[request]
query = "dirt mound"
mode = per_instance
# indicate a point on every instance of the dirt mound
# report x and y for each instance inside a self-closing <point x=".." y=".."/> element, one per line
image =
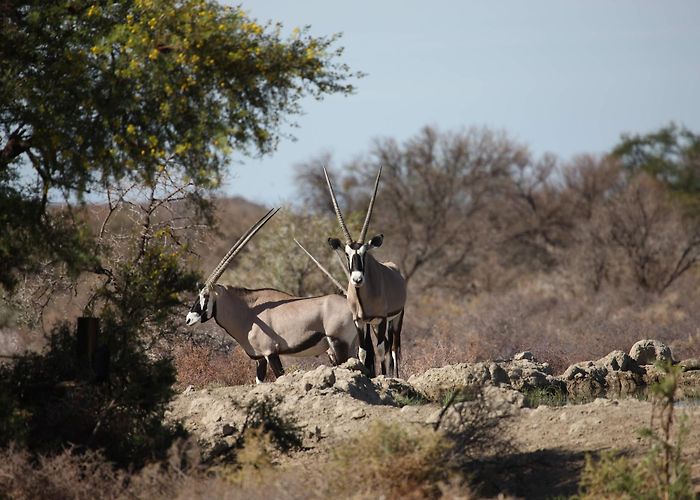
<point x="328" y="403"/>
<point x="331" y="404"/>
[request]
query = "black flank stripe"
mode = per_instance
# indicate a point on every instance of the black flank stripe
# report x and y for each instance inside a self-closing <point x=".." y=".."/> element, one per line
<point x="314" y="339"/>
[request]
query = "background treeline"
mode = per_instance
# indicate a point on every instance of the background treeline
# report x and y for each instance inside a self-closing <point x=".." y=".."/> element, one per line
<point x="505" y="251"/>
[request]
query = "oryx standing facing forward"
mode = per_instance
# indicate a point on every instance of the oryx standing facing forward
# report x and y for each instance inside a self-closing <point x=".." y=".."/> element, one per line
<point x="268" y="323"/>
<point x="376" y="290"/>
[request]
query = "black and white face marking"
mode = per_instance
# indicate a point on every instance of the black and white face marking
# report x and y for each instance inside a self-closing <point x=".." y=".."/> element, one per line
<point x="356" y="253"/>
<point x="202" y="309"/>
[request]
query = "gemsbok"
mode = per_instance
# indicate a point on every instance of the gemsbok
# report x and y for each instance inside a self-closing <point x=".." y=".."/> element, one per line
<point x="376" y="291"/>
<point x="267" y="323"/>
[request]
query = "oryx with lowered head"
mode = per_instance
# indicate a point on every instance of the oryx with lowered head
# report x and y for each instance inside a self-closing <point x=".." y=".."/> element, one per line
<point x="268" y="323"/>
<point x="376" y="290"/>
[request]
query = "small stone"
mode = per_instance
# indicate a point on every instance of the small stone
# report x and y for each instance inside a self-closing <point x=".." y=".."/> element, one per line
<point x="498" y="375"/>
<point x="525" y="355"/>
<point x="354" y="364"/>
<point x="358" y="414"/>
<point x="690" y="364"/>
<point x="228" y="430"/>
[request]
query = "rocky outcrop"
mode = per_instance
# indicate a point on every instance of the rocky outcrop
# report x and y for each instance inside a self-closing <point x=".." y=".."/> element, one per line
<point x="328" y="402"/>
<point x="522" y="373"/>
<point x="648" y="352"/>
<point x="615" y="374"/>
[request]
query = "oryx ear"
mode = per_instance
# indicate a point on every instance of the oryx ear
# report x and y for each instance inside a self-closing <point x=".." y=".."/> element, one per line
<point x="334" y="243"/>
<point x="377" y="241"/>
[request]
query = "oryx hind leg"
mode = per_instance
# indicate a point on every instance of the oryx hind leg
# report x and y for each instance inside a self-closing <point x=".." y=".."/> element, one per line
<point x="261" y="370"/>
<point x="395" y="343"/>
<point x="339" y="349"/>
<point x="275" y="364"/>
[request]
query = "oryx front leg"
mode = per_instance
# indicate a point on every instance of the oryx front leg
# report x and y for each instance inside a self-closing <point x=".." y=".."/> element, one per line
<point x="382" y="336"/>
<point x="366" y="350"/>
<point x="361" y="352"/>
<point x="261" y="370"/>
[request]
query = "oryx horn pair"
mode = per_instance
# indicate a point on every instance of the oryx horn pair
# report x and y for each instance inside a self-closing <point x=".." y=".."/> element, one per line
<point x="338" y="213"/>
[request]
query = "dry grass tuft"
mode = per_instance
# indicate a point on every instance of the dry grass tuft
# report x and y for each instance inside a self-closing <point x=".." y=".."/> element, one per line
<point x="392" y="461"/>
<point x="201" y="366"/>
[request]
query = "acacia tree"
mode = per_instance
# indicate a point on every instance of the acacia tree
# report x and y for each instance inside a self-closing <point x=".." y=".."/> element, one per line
<point x="141" y="103"/>
<point x="96" y="93"/>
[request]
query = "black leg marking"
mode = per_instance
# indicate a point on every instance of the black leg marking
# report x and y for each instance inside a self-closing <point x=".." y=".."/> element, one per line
<point x="381" y="333"/>
<point x="396" y="327"/>
<point x="261" y="370"/>
<point x="276" y="365"/>
<point x="332" y="356"/>
<point x="369" y="348"/>
<point x="341" y="351"/>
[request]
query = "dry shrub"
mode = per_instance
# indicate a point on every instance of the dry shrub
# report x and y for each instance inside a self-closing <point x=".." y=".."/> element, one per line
<point x="393" y="461"/>
<point x="202" y="366"/>
<point x="425" y="353"/>
<point x="664" y="472"/>
<point x="66" y="475"/>
<point x="72" y="475"/>
<point x="558" y="322"/>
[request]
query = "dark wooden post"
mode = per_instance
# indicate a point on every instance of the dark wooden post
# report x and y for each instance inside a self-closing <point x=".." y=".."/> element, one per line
<point x="92" y="351"/>
<point x="86" y="340"/>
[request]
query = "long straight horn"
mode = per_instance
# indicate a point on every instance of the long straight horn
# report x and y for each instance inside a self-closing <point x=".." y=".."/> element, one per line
<point x="222" y="263"/>
<point x="348" y="238"/>
<point x="323" y="269"/>
<point x="238" y="246"/>
<point x="365" y="226"/>
<point x="342" y="264"/>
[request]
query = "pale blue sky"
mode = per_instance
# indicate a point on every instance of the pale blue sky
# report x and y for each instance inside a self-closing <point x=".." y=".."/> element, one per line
<point x="560" y="76"/>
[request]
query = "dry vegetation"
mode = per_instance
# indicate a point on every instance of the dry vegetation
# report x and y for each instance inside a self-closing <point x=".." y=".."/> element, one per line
<point x="503" y="253"/>
<point x="506" y="253"/>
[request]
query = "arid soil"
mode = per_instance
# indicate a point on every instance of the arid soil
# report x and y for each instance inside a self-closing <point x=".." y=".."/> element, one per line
<point x="548" y="444"/>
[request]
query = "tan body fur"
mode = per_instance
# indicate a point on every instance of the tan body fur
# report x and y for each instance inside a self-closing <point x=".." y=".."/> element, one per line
<point x="383" y="294"/>
<point x="270" y="322"/>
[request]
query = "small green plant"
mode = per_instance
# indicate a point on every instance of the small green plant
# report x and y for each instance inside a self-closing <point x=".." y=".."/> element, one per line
<point x="409" y="400"/>
<point x="662" y="473"/>
<point x="548" y="396"/>
<point x="461" y="395"/>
